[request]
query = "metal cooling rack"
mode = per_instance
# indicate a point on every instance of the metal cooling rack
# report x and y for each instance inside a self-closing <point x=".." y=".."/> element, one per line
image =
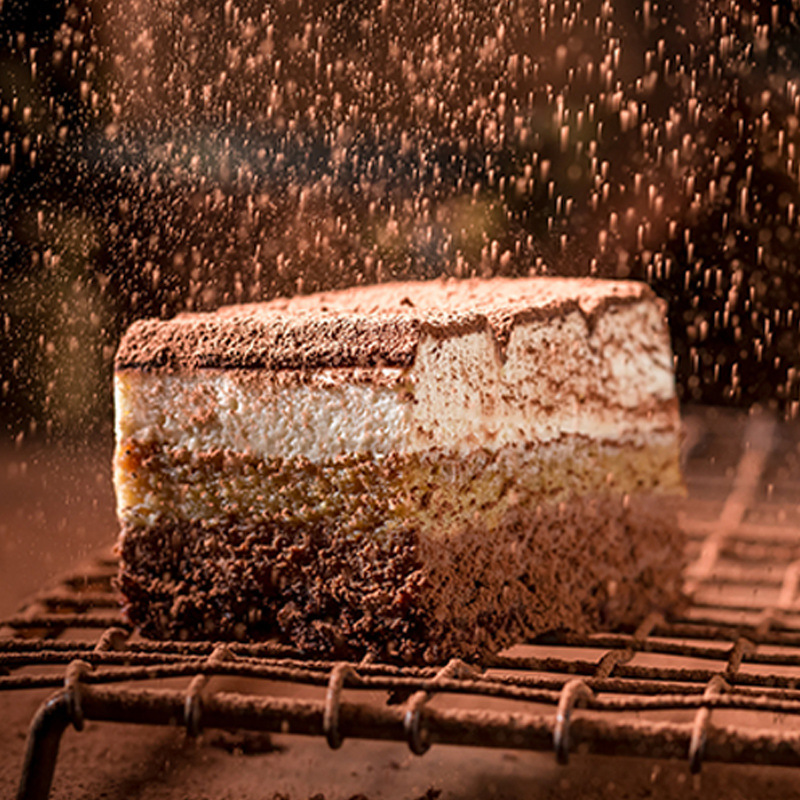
<point x="720" y="683"/>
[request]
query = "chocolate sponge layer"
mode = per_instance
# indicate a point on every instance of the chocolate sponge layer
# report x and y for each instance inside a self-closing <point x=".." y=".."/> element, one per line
<point x="605" y="560"/>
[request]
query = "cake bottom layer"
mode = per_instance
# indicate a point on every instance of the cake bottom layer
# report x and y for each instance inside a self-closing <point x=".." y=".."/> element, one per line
<point x="580" y="564"/>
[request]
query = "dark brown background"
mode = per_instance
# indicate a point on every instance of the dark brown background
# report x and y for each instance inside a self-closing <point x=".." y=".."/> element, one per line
<point x="163" y="156"/>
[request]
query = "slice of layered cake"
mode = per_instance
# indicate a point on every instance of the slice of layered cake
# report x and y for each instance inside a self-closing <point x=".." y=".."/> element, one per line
<point x="410" y="470"/>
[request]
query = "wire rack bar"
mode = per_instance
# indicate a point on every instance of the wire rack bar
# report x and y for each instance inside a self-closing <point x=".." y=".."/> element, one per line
<point x="458" y="727"/>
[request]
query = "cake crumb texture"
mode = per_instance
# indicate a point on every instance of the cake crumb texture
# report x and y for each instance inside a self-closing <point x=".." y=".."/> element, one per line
<point x="410" y="472"/>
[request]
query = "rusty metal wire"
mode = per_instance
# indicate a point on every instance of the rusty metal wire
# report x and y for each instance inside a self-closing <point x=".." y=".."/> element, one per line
<point x="736" y="649"/>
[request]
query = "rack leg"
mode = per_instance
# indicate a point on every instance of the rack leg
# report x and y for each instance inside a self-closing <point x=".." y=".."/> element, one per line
<point x="41" y="750"/>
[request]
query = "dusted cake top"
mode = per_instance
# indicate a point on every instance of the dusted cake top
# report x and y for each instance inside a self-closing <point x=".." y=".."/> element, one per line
<point x="364" y="326"/>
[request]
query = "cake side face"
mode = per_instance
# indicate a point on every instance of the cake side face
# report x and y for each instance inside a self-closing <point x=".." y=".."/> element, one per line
<point x="510" y="399"/>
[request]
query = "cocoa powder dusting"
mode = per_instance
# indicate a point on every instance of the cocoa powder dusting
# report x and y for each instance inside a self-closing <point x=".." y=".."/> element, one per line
<point x="369" y="326"/>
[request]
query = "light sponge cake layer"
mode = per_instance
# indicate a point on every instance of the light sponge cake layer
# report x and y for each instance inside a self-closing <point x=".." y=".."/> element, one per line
<point x="433" y="492"/>
<point x="414" y="422"/>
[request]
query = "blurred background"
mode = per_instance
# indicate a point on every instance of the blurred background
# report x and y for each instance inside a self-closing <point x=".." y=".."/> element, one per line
<point x="164" y="155"/>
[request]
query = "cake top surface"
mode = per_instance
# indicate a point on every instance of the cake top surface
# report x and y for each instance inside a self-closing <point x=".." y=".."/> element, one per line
<point x="368" y="326"/>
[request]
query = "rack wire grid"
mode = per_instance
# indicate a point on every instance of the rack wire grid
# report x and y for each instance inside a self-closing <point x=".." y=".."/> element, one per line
<point x="727" y="670"/>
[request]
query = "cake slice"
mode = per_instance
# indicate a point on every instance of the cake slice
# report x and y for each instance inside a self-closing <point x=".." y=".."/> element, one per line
<point x="413" y="471"/>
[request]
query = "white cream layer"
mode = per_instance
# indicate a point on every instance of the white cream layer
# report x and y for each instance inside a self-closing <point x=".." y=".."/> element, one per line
<point x="558" y="377"/>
